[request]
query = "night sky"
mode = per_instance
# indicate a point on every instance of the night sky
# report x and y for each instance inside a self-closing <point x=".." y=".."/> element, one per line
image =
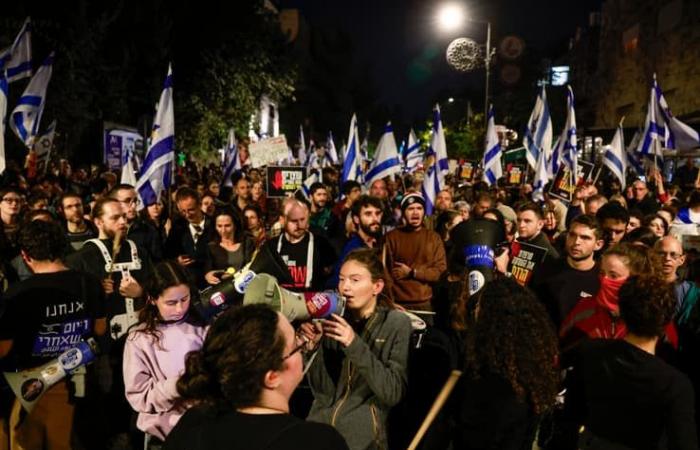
<point x="398" y="38"/>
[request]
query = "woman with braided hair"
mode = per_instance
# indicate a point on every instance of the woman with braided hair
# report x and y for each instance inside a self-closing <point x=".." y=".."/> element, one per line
<point x="510" y="376"/>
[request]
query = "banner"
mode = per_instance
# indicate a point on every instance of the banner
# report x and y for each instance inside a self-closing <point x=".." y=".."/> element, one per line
<point x="525" y="258"/>
<point x="282" y="180"/>
<point x="562" y="187"/>
<point x="118" y="142"/>
<point x="268" y="151"/>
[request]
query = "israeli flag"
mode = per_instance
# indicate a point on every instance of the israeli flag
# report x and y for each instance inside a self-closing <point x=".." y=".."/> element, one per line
<point x="352" y="166"/>
<point x="555" y="160"/>
<point x="386" y="159"/>
<point x="128" y="173"/>
<point x="615" y="158"/>
<point x="156" y="173"/>
<point x="331" y="152"/>
<point x="566" y="149"/>
<point x="541" y="178"/>
<point x="654" y="135"/>
<point x="16" y="60"/>
<point x="364" y="148"/>
<point x="26" y="117"/>
<point x="438" y="147"/>
<point x="3" y="111"/>
<point x="492" y="152"/>
<point x="232" y="160"/>
<point x="538" y="135"/>
<point x="43" y="146"/>
<point x="633" y="160"/>
<point x="413" y="154"/>
<point x="302" y="146"/>
<point x="309" y="181"/>
<point x="431" y="187"/>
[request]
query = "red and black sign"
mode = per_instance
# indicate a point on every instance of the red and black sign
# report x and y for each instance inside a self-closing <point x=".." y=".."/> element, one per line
<point x="282" y="181"/>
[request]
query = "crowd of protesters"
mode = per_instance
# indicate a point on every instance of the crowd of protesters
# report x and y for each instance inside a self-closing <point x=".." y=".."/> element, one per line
<point x="599" y="350"/>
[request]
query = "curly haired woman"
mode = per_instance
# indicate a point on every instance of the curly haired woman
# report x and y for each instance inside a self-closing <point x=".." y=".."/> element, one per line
<point x="510" y="370"/>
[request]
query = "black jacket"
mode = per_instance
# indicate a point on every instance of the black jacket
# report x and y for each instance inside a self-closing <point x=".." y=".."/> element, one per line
<point x="180" y="242"/>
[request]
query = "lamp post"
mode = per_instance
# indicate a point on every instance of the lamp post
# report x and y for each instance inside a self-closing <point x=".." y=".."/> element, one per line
<point x="450" y="18"/>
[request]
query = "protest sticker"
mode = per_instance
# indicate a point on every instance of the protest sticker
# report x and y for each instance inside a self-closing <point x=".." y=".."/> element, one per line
<point x="268" y="151"/>
<point x="282" y="180"/>
<point x="562" y="188"/>
<point x="525" y="258"/>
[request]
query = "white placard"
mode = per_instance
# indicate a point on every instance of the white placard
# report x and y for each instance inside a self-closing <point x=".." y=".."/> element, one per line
<point x="268" y="151"/>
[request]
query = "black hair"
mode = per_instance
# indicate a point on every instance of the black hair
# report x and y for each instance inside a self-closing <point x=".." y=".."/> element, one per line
<point x="613" y="211"/>
<point x="349" y="185"/>
<point x="647" y="305"/>
<point x="363" y="202"/>
<point x="42" y="241"/>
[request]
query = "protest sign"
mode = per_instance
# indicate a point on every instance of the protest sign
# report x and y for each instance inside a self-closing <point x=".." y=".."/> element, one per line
<point x="515" y="175"/>
<point x="268" y="151"/>
<point x="282" y="180"/>
<point x="466" y="172"/>
<point x="525" y="258"/>
<point x="562" y="188"/>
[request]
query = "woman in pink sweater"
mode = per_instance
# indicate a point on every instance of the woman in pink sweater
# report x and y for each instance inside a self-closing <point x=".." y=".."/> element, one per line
<point x="154" y="355"/>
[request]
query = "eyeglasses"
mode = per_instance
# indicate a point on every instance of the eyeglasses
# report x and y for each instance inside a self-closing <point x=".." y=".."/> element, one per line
<point x="129" y="201"/>
<point x="12" y="200"/>
<point x="673" y="255"/>
<point x="300" y="346"/>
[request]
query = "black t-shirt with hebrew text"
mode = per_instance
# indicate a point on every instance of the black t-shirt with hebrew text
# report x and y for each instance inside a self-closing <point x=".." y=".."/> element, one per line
<point x="47" y="314"/>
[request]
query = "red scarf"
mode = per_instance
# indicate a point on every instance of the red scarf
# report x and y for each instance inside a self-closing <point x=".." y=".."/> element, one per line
<point x="607" y="297"/>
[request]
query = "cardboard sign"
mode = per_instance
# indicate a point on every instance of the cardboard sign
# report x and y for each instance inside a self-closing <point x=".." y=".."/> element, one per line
<point x="562" y="188"/>
<point x="523" y="261"/>
<point x="282" y="180"/>
<point x="466" y="172"/>
<point x="268" y="151"/>
<point x="515" y="176"/>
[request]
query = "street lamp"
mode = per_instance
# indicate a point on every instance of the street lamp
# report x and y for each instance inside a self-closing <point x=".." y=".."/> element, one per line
<point x="450" y="17"/>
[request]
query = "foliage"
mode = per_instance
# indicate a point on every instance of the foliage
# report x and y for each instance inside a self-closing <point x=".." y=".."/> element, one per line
<point x="464" y="141"/>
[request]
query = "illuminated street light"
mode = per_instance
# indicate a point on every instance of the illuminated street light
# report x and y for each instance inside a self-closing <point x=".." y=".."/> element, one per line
<point x="450" y="17"/>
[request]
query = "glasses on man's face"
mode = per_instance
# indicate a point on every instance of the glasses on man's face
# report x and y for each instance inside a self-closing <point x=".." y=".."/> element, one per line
<point x="129" y="201"/>
<point x="15" y="200"/>
<point x="673" y="255"/>
<point x="299" y="345"/>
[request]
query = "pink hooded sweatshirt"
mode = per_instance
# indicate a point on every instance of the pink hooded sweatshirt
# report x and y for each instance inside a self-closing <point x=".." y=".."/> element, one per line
<point x="151" y="370"/>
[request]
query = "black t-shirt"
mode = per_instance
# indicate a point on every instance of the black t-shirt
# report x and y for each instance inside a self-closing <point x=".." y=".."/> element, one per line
<point x="202" y="429"/>
<point x="628" y="396"/>
<point x="76" y="240"/>
<point x="48" y="314"/>
<point x="296" y="256"/>
<point x="559" y="287"/>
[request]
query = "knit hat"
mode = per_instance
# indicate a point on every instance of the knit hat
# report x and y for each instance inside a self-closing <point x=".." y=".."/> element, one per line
<point x="410" y="199"/>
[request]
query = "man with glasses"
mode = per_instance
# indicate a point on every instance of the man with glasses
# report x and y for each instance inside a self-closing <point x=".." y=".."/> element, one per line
<point x="671" y="257"/>
<point x="140" y="230"/>
<point x="643" y="200"/>
<point x="11" y="203"/>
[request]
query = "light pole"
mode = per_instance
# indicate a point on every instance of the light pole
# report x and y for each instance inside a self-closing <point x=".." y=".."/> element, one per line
<point x="450" y="18"/>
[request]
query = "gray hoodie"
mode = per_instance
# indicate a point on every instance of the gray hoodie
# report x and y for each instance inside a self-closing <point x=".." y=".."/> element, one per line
<point x="355" y="387"/>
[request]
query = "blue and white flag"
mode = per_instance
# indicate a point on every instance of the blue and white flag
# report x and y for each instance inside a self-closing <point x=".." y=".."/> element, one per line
<point x="386" y="158"/>
<point x="232" y="159"/>
<point x="128" y="173"/>
<point x="633" y="160"/>
<point x="492" y="152"/>
<point x="3" y="111"/>
<point x="438" y="147"/>
<point x="352" y="165"/>
<point x="156" y="173"/>
<point x="663" y="130"/>
<point x="538" y="134"/>
<point x="364" y="147"/>
<point x="331" y="152"/>
<point x="308" y="182"/>
<point x="431" y="187"/>
<point x="615" y="158"/>
<point x="43" y="146"/>
<point x="413" y="155"/>
<point x="302" y="147"/>
<point x="541" y="178"/>
<point x="16" y="60"/>
<point x="566" y="148"/>
<point x="26" y="117"/>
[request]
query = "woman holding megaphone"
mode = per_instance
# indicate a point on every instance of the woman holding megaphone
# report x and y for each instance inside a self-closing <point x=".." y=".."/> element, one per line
<point x="241" y="381"/>
<point x="359" y="369"/>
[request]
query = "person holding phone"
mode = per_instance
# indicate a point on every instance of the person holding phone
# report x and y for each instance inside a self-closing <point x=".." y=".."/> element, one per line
<point x="358" y="371"/>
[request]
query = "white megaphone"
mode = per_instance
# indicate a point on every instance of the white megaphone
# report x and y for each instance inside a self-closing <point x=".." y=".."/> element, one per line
<point x="265" y="289"/>
<point x="29" y="385"/>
